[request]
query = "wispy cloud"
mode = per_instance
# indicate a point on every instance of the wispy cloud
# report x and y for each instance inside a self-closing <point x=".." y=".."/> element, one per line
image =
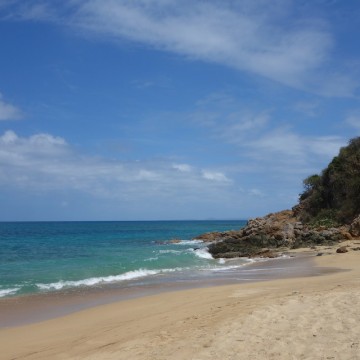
<point x="247" y="35"/>
<point x="284" y="146"/>
<point x="215" y="176"/>
<point x="33" y="10"/>
<point x="247" y="40"/>
<point x="8" y="111"/>
<point x="182" y="167"/>
<point x="262" y="143"/>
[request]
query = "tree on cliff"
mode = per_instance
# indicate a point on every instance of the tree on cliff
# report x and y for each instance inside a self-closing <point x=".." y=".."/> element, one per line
<point x="334" y="195"/>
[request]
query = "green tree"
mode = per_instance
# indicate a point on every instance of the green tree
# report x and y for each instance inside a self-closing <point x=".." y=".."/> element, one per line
<point x="335" y="194"/>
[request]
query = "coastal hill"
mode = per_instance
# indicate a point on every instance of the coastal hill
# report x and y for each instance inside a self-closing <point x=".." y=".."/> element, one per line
<point x="328" y="212"/>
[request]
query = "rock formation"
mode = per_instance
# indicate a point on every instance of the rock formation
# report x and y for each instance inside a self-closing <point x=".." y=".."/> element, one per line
<point x="355" y="227"/>
<point x="265" y="236"/>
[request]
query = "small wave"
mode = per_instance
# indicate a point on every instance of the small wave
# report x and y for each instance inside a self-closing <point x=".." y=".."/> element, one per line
<point x="170" y="251"/>
<point x="283" y="256"/>
<point x="130" y="275"/>
<point x="151" y="259"/>
<point x="203" y="253"/>
<point x="256" y="259"/>
<point x="224" y="268"/>
<point x="189" y="242"/>
<point x="6" y="292"/>
<point x="264" y="259"/>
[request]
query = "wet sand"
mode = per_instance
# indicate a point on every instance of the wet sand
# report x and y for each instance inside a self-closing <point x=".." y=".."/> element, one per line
<point x="305" y="317"/>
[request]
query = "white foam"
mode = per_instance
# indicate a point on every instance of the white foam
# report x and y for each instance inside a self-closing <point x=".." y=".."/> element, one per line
<point x="221" y="261"/>
<point x="170" y="251"/>
<point x="284" y="256"/>
<point x="151" y="259"/>
<point x="6" y="292"/>
<point x="256" y="259"/>
<point x="130" y="275"/>
<point x="224" y="268"/>
<point x="189" y="242"/>
<point x="203" y="254"/>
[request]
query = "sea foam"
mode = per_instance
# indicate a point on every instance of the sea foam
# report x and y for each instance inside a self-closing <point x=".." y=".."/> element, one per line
<point x="188" y="242"/>
<point x="225" y="268"/>
<point x="130" y="275"/>
<point x="203" y="254"/>
<point x="7" y="292"/>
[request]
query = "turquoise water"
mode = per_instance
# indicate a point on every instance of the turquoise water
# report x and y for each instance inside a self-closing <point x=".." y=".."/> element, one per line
<point x="40" y="257"/>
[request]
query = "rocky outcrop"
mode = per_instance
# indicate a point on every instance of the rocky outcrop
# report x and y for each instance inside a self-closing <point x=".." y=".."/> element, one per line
<point x="355" y="227"/>
<point x="266" y="235"/>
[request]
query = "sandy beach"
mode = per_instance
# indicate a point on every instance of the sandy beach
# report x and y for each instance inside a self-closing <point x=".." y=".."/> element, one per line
<point x="314" y="317"/>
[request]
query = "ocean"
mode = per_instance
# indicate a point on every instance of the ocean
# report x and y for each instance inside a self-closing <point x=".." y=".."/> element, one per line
<point x="43" y="257"/>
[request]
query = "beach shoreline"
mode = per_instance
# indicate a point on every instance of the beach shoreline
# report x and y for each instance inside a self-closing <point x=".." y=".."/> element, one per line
<point x="259" y="319"/>
<point x="33" y="308"/>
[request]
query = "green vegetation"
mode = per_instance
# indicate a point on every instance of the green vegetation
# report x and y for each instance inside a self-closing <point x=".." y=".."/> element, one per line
<point x="333" y="198"/>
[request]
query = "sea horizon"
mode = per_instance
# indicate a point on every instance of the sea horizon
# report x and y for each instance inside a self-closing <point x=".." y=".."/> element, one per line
<point x="145" y="220"/>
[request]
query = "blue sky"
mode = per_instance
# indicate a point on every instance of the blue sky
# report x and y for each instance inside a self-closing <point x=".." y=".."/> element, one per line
<point x="163" y="109"/>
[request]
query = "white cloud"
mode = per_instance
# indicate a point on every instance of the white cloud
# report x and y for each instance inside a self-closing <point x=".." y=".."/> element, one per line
<point x="246" y="35"/>
<point x="289" y="150"/>
<point x="277" y="142"/>
<point x="215" y="176"/>
<point x="326" y="146"/>
<point x="182" y="167"/>
<point x="46" y="140"/>
<point x="34" y="10"/>
<point x="44" y="162"/>
<point x="9" y="137"/>
<point x="8" y="111"/>
<point x="256" y="192"/>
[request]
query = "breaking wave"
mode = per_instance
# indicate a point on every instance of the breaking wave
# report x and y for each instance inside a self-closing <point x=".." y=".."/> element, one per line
<point x="7" y="292"/>
<point x="130" y="275"/>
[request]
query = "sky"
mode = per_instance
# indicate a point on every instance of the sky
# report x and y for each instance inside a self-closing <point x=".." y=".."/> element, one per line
<point x="165" y="109"/>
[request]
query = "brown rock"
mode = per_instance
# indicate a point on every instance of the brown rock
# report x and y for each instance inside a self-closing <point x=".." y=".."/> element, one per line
<point x="355" y="227"/>
<point x="266" y="253"/>
<point x="346" y="235"/>
<point x="213" y="236"/>
<point x="274" y="231"/>
<point x="174" y="241"/>
<point x="342" y="249"/>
